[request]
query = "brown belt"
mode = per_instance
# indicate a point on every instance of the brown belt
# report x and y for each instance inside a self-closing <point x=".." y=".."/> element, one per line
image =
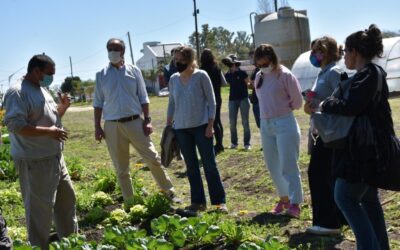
<point x="126" y="119"/>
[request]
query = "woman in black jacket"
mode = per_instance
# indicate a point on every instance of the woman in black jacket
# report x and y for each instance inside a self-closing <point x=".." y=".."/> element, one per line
<point x="209" y="64"/>
<point x="357" y="200"/>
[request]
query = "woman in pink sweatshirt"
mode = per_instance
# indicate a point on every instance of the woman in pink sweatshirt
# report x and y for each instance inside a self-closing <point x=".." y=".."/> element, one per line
<point x="279" y="94"/>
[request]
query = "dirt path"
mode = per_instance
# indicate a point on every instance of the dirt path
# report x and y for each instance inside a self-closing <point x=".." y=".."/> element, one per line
<point x="79" y="109"/>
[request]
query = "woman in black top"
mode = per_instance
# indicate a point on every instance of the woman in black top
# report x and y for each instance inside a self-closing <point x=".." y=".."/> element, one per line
<point x="209" y="64"/>
<point x="357" y="200"/>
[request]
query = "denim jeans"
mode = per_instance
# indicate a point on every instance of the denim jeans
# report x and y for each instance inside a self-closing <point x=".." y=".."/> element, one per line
<point x="244" y="106"/>
<point x="360" y="206"/>
<point x="281" y="141"/>
<point x="188" y="140"/>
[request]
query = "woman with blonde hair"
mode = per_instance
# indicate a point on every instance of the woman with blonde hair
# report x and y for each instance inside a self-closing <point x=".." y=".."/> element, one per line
<point x="191" y="111"/>
<point x="279" y="94"/>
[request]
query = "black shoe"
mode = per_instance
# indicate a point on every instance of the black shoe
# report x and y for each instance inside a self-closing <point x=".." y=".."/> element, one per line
<point x="218" y="149"/>
<point x="196" y="207"/>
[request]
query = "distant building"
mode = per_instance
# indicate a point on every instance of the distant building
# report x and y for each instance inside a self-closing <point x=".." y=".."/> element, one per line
<point x="154" y="53"/>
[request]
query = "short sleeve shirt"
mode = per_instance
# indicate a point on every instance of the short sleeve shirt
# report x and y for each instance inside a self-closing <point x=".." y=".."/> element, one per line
<point x="238" y="86"/>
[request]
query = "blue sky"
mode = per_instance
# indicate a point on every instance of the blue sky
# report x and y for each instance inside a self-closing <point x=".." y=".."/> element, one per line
<point x="80" y="28"/>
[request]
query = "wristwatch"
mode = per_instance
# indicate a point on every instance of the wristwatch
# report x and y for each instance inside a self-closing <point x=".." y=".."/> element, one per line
<point x="147" y="119"/>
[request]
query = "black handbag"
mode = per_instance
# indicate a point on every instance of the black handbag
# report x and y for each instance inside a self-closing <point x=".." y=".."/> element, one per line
<point x="388" y="175"/>
<point x="384" y="172"/>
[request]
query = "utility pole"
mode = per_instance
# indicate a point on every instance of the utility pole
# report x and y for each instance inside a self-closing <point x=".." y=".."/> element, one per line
<point x="196" y="11"/>
<point x="10" y="76"/>
<point x="252" y="28"/>
<point x="276" y="5"/>
<point x="165" y="58"/>
<point x="70" y="63"/>
<point x="130" y="46"/>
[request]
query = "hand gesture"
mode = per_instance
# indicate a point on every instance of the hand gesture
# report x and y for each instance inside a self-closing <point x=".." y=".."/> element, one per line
<point x="57" y="133"/>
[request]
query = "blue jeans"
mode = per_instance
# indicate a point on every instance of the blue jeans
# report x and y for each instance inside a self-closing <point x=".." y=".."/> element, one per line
<point x="360" y="206"/>
<point x="244" y="106"/>
<point x="280" y="138"/>
<point x="188" y="139"/>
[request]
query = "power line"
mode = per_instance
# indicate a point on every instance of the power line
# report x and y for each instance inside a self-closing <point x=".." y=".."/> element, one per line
<point x="223" y="19"/>
<point x="162" y="27"/>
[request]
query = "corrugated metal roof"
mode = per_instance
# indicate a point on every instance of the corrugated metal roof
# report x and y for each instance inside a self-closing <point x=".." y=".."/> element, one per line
<point x="159" y="49"/>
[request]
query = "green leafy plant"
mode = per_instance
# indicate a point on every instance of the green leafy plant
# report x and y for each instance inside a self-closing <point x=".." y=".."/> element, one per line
<point x="7" y="169"/>
<point x="118" y="217"/>
<point x="106" y="183"/>
<point x="137" y="213"/>
<point x="157" y="204"/>
<point x="101" y="199"/>
<point x="95" y="216"/>
<point x="10" y="196"/>
<point x="75" y="167"/>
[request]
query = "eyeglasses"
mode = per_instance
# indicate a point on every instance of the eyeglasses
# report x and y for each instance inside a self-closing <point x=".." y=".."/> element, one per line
<point x="262" y="66"/>
<point x="118" y="49"/>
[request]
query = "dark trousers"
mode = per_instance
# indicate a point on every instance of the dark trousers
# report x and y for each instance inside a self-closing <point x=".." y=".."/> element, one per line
<point x="256" y="112"/>
<point x="325" y="212"/>
<point x="188" y="140"/>
<point x="218" y="129"/>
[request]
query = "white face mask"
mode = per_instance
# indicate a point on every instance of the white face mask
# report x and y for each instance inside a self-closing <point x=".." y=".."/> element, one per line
<point x="114" y="56"/>
<point x="266" y="70"/>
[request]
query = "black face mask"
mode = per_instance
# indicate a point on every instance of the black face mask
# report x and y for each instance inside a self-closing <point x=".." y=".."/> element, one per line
<point x="181" y="66"/>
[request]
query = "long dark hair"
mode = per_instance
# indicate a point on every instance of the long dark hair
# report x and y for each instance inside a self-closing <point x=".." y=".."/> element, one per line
<point x="207" y="59"/>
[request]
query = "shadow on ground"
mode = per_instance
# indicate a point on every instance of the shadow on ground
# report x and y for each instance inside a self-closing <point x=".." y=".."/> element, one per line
<point x="269" y="218"/>
<point x="314" y="242"/>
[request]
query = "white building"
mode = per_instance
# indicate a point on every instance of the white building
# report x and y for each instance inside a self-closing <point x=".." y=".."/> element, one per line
<point x="154" y="53"/>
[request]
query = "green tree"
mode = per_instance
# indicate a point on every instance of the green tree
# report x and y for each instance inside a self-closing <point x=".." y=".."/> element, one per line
<point x="222" y="41"/>
<point x="242" y="44"/>
<point x="71" y="85"/>
<point x="389" y="33"/>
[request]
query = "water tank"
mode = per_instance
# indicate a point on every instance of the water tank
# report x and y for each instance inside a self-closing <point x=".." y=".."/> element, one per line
<point x="287" y="30"/>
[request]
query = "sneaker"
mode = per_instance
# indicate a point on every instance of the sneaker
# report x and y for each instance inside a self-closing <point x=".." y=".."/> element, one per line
<point x="280" y="208"/>
<point x="221" y="208"/>
<point x="196" y="207"/>
<point x="247" y="147"/>
<point x="317" y="230"/>
<point x="233" y="146"/>
<point x="293" y="211"/>
<point x="172" y="197"/>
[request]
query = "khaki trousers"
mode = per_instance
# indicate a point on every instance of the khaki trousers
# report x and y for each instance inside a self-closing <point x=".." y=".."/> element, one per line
<point x="48" y="194"/>
<point x="118" y="137"/>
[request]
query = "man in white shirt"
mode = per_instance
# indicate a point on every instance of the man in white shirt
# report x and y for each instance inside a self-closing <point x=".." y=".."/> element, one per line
<point x="121" y="97"/>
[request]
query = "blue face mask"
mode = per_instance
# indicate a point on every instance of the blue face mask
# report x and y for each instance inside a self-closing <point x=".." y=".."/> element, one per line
<point x="316" y="60"/>
<point x="46" y="81"/>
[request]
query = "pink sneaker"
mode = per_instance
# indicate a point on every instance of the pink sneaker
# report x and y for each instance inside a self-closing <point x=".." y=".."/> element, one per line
<point x="280" y="208"/>
<point x="293" y="211"/>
